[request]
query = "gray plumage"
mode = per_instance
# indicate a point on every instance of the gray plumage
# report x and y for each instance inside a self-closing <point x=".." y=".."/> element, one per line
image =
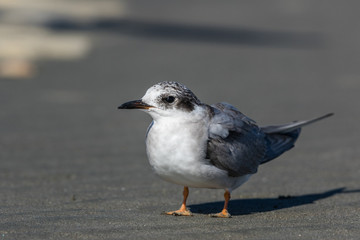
<point x="247" y="146"/>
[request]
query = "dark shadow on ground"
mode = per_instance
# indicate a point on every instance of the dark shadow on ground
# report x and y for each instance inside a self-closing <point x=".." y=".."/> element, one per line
<point x="256" y="205"/>
<point x="195" y="33"/>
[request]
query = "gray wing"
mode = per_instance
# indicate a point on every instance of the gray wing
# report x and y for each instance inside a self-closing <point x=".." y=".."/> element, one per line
<point x="236" y="144"/>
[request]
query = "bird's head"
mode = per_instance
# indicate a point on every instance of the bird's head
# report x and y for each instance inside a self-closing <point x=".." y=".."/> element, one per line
<point x="164" y="99"/>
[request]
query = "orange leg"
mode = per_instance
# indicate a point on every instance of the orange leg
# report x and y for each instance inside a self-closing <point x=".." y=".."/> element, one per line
<point x="224" y="213"/>
<point x="183" y="211"/>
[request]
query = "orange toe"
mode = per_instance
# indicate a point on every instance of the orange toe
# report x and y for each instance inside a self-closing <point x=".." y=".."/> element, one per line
<point x="180" y="213"/>
<point x="223" y="214"/>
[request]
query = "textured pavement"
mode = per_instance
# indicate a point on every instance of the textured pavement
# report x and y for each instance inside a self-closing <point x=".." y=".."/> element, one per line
<point x="74" y="167"/>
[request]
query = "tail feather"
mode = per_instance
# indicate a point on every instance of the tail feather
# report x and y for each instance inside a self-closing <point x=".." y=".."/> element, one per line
<point x="291" y="126"/>
<point x="281" y="138"/>
<point x="278" y="143"/>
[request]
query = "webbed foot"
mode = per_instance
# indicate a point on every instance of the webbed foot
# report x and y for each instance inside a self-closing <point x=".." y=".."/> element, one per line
<point x="223" y="214"/>
<point x="179" y="212"/>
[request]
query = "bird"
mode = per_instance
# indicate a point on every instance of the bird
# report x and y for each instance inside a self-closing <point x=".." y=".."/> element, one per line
<point x="197" y="145"/>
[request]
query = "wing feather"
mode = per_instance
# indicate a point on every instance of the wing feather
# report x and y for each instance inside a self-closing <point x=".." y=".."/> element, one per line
<point x="236" y="144"/>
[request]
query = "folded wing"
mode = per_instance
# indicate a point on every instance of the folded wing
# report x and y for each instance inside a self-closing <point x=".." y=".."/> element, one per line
<point x="236" y="144"/>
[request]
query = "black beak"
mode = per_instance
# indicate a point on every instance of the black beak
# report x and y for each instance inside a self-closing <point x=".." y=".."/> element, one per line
<point x="137" y="104"/>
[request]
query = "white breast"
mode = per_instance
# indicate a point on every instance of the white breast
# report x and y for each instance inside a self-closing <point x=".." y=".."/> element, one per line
<point x="177" y="149"/>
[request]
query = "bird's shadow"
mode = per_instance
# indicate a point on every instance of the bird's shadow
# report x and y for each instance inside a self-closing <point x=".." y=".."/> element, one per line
<point x="257" y="205"/>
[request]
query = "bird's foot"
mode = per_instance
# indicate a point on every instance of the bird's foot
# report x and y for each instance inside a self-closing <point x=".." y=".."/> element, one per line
<point x="179" y="212"/>
<point x="223" y="214"/>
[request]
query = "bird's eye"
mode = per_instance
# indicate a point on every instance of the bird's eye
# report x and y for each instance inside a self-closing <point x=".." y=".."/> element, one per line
<point x="169" y="99"/>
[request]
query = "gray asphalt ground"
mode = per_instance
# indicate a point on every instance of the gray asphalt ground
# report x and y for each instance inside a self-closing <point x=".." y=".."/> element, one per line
<point x="74" y="167"/>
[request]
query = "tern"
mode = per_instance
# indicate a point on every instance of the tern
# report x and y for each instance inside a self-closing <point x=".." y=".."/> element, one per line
<point x="197" y="145"/>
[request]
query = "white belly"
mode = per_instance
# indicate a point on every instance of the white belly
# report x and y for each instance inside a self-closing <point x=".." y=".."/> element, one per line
<point x="177" y="154"/>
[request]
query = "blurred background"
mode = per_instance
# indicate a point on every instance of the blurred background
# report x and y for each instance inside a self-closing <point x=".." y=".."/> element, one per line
<point x="65" y="66"/>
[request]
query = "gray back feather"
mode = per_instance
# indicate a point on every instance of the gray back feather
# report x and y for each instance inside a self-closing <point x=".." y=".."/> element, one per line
<point x="236" y="144"/>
